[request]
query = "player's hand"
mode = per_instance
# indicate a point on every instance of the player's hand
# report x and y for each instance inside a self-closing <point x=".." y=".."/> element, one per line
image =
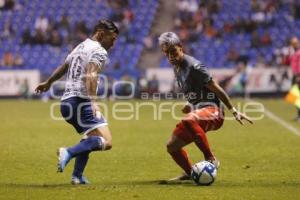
<point x="42" y="87"/>
<point x="240" y="117"/>
<point x="186" y="109"/>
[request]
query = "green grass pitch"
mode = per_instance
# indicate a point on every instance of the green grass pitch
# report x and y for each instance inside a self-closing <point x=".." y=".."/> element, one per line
<point x="261" y="161"/>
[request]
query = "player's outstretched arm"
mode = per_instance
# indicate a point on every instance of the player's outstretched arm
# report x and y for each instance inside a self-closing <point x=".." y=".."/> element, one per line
<point x="57" y="74"/>
<point x="221" y="94"/>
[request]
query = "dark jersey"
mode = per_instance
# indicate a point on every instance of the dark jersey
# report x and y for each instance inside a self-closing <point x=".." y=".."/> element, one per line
<point x="192" y="76"/>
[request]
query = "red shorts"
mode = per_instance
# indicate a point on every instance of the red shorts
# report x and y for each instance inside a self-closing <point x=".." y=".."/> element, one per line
<point x="209" y="118"/>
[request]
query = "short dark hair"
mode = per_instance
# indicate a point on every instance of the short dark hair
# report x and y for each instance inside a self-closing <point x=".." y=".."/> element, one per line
<point x="106" y="25"/>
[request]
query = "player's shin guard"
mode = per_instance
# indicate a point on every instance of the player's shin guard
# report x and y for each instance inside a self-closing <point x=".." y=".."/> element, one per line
<point x="93" y="143"/>
<point x="181" y="158"/>
<point x="200" y="137"/>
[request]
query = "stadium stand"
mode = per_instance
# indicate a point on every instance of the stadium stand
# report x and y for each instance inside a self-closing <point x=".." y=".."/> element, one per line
<point x="218" y="32"/>
<point x="42" y="33"/>
<point x="221" y="33"/>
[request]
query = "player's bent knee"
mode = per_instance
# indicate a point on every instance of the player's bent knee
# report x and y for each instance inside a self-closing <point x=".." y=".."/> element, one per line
<point x="170" y="148"/>
<point x="108" y="146"/>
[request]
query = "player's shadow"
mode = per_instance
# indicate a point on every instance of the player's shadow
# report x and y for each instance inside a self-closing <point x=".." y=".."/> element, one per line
<point x="152" y="183"/>
<point x="94" y="185"/>
<point x="149" y="182"/>
<point x="21" y="185"/>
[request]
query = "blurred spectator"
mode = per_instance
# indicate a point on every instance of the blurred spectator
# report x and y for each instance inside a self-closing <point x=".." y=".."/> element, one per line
<point x="150" y="43"/>
<point x="153" y="85"/>
<point x="232" y="55"/>
<point x="40" y="37"/>
<point x="128" y="16"/>
<point x="293" y="59"/>
<point x="237" y="57"/>
<point x="2" y="4"/>
<point x="41" y="24"/>
<point x="266" y="39"/>
<point x="116" y="66"/>
<point x="64" y="23"/>
<point x="9" y="60"/>
<point x="27" y="37"/>
<point x="24" y="89"/>
<point x="255" y="5"/>
<point x="228" y="27"/>
<point x="8" y="31"/>
<point x="126" y="88"/>
<point x="81" y="32"/>
<point x="7" y="4"/>
<point x="64" y="27"/>
<point x="209" y="30"/>
<point x="55" y="39"/>
<point x="214" y="6"/>
<point x="261" y="63"/>
<point x="259" y="17"/>
<point x="142" y="84"/>
<point x="242" y="25"/>
<point x="18" y="60"/>
<point x="295" y="9"/>
<point x="255" y="40"/>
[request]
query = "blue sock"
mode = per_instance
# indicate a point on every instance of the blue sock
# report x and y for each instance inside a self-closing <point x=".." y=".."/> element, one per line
<point x="80" y="163"/>
<point x="92" y="143"/>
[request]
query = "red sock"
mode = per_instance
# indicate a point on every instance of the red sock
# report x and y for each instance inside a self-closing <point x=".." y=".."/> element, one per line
<point x="200" y="138"/>
<point x="181" y="158"/>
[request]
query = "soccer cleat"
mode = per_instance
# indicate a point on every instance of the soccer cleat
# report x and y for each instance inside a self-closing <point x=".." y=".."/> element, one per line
<point x="215" y="162"/>
<point x="78" y="181"/>
<point x="63" y="158"/>
<point x="176" y="180"/>
<point x="183" y="177"/>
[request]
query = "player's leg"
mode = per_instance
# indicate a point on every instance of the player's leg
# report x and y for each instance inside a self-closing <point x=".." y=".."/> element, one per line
<point x="191" y="122"/>
<point x="79" y="166"/>
<point x="178" y="140"/>
<point x="179" y="155"/>
<point x="98" y="139"/>
<point x="104" y="133"/>
<point x="97" y="135"/>
<point x="210" y="118"/>
<point x="92" y="143"/>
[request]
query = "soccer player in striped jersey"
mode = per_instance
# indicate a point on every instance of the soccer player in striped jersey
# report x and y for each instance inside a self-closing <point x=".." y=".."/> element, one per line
<point x="78" y="104"/>
<point x="203" y="110"/>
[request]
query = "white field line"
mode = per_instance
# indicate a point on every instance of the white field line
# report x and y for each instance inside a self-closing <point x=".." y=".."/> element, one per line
<point x="282" y="122"/>
<point x="279" y="120"/>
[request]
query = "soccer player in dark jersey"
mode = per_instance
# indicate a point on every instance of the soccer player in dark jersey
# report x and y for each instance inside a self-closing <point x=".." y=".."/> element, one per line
<point x="78" y="103"/>
<point x="203" y="110"/>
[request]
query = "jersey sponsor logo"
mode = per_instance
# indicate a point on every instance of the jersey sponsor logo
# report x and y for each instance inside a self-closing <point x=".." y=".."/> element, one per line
<point x="198" y="66"/>
<point x="99" y="57"/>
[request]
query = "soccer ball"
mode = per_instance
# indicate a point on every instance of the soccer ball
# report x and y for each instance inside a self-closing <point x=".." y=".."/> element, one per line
<point x="203" y="173"/>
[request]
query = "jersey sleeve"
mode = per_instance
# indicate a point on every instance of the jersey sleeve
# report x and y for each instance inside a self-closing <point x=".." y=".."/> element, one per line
<point x="68" y="59"/>
<point x="200" y="74"/>
<point x="99" y="57"/>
